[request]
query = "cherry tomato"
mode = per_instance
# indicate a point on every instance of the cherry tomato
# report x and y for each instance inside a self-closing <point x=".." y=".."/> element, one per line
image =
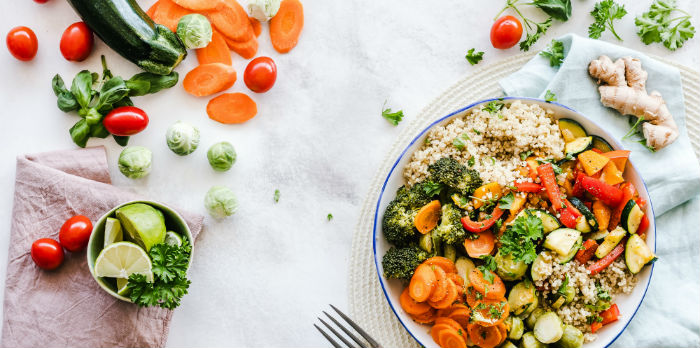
<point x="77" y="42"/>
<point x="22" y="43"/>
<point x="47" y="253"/>
<point x="75" y="233"/>
<point x="125" y="121"/>
<point x="506" y="32"/>
<point x="260" y="74"/>
<point x="41" y="1"/>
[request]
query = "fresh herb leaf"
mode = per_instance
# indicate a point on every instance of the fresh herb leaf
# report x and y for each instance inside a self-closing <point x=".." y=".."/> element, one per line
<point x="554" y="52"/>
<point x="112" y="91"/>
<point x="557" y="169"/>
<point x="329" y="217"/>
<point x="549" y="96"/>
<point x="476" y="131"/>
<point x="432" y="188"/>
<point x="519" y="239"/>
<point x="506" y="202"/>
<point x="604" y="13"/>
<point x="80" y="132"/>
<point x="525" y="155"/>
<point x="603" y="294"/>
<point x="470" y="161"/>
<point x="460" y="142"/>
<point x="562" y="287"/>
<point x="474" y="57"/>
<point x="531" y="38"/>
<point x="489" y="262"/>
<point x="656" y="25"/>
<point x="494" y="107"/>
<point x="276" y="196"/>
<point x="557" y="9"/>
<point x="148" y="83"/>
<point x="81" y="88"/>
<point x="170" y="283"/>
<point x="393" y="117"/>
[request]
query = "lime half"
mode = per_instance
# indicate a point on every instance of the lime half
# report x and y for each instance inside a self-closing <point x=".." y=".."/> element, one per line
<point x="173" y="238"/>
<point x="122" y="259"/>
<point x="113" y="231"/>
<point x="121" y="286"/>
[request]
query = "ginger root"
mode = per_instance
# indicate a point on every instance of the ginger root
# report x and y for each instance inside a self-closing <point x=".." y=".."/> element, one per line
<point x="624" y="89"/>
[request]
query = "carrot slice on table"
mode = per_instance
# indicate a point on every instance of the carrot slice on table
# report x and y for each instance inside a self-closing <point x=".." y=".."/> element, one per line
<point x="482" y="245"/>
<point x="461" y="316"/>
<point x="422" y="283"/>
<point x="446" y="264"/>
<point x="257" y="27"/>
<point x="245" y="49"/>
<point x="197" y="5"/>
<point x="492" y="290"/>
<point x="425" y="318"/>
<point x="410" y="305"/>
<point x="452" y="339"/>
<point x="152" y="10"/>
<point x="427" y="217"/>
<point x="286" y="25"/>
<point x="441" y="285"/>
<point x="231" y="20"/>
<point x="230" y="108"/>
<point x="208" y="79"/>
<point x="484" y="336"/>
<point x="169" y="13"/>
<point x="488" y="312"/>
<point x="215" y="52"/>
<point x="449" y="298"/>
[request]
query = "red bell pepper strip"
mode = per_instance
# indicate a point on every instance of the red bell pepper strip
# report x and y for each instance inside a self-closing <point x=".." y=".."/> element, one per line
<point x="481" y="226"/>
<point x="578" y="189"/>
<point x="571" y="207"/>
<point x="587" y="251"/>
<point x="595" y="326"/>
<point x="607" y="259"/>
<point x="527" y="187"/>
<point x="608" y="194"/>
<point x="549" y="181"/>
<point x="641" y="202"/>
<point x="567" y="218"/>
<point x="610" y="315"/>
<point x="643" y="225"/>
<point x="628" y="192"/>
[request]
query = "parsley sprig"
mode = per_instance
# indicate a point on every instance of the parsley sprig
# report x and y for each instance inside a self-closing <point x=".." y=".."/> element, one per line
<point x="520" y="238"/>
<point x="393" y="117"/>
<point x="488" y="267"/>
<point x="604" y="13"/>
<point x="656" y="25"/>
<point x="170" y="283"/>
<point x="554" y="52"/>
<point x="557" y="9"/>
<point x="474" y="57"/>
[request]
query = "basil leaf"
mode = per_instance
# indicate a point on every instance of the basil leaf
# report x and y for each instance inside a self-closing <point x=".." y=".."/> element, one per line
<point x="156" y="82"/>
<point x="93" y="117"/>
<point x="112" y="91"/>
<point x="98" y="130"/>
<point x="121" y="140"/>
<point x="58" y="86"/>
<point x="66" y="102"/>
<point x="126" y="101"/>
<point x="82" y="88"/>
<point x="558" y="9"/>
<point x="80" y="133"/>
<point x="138" y="87"/>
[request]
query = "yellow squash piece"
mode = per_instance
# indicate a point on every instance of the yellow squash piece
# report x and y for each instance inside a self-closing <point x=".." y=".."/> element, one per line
<point x="611" y="174"/>
<point x="482" y="194"/>
<point x="592" y="162"/>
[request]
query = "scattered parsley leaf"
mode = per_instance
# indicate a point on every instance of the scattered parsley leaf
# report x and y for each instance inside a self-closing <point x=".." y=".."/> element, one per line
<point x="603" y="294"/>
<point x="494" y="107"/>
<point x="549" y="96"/>
<point x="393" y="117"/>
<point x="488" y="267"/>
<point x="557" y="169"/>
<point x="636" y="130"/>
<point x="432" y="188"/>
<point x="507" y="201"/>
<point x="562" y="287"/>
<point x="470" y="161"/>
<point x="525" y="155"/>
<point x="531" y="38"/>
<point x="474" y="57"/>
<point x="329" y="217"/>
<point x="276" y="196"/>
<point x="554" y="52"/>
<point x="520" y="238"/>
<point x="656" y="25"/>
<point x="476" y="131"/>
<point x="460" y="142"/>
<point x="604" y="13"/>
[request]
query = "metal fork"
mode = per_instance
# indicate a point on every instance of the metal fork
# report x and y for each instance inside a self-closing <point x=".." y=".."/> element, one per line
<point x="369" y="340"/>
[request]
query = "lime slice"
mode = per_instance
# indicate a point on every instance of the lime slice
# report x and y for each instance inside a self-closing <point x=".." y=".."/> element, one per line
<point x="173" y="238"/>
<point x="113" y="231"/>
<point x="121" y="287"/>
<point x="143" y="224"/>
<point x="122" y="259"/>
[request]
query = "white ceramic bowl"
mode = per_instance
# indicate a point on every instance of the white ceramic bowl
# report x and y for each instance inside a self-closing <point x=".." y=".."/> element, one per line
<point x="628" y="304"/>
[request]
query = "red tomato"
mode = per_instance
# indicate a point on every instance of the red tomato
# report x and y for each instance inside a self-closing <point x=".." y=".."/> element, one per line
<point x="506" y="32"/>
<point x="22" y="43"/>
<point x="47" y="253"/>
<point x="41" y="1"/>
<point x="75" y="233"/>
<point x="125" y="121"/>
<point x="76" y="42"/>
<point x="260" y="74"/>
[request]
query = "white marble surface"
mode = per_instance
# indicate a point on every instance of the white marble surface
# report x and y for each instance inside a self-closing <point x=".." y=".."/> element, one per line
<point x="262" y="277"/>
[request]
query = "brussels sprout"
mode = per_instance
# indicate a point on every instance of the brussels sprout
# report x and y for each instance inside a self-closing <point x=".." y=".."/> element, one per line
<point x="508" y="268"/>
<point x="135" y="162"/>
<point x="221" y="156"/>
<point x="572" y="338"/>
<point x="221" y="202"/>
<point x="182" y="138"/>
<point x="263" y="10"/>
<point x="194" y="30"/>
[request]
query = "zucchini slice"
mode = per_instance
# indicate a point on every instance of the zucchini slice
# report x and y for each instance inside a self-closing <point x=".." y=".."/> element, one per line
<point x="632" y="216"/>
<point x="548" y="328"/>
<point x="598" y="235"/>
<point x="549" y="222"/>
<point x="610" y="242"/>
<point x="464" y="266"/>
<point x="426" y="242"/>
<point x="571" y="129"/>
<point x="637" y="254"/>
<point x="570" y="256"/>
<point x="582" y="225"/>
<point x="562" y="240"/>
<point x="590" y="218"/>
<point x="600" y="144"/>
<point x="578" y="145"/>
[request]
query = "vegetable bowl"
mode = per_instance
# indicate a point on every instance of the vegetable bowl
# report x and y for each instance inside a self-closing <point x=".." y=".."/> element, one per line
<point x="577" y="230"/>
<point x="121" y="250"/>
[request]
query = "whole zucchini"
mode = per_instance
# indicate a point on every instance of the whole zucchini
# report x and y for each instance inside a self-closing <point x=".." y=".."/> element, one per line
<point x="124" y="27"/>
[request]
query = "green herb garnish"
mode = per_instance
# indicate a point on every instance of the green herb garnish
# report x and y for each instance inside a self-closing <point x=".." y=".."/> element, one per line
<point x="170" y="283"/>
<point x="474" y="57"/>
<point x="393" y="117"/>
<point x="604" y="13"/>
<point x="656" y="25"/>
<point x="554" y="52"/>
<point x="519" y="239"/>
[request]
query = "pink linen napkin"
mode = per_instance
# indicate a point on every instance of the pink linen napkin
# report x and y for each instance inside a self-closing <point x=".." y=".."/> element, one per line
<point x="66" y="307"/>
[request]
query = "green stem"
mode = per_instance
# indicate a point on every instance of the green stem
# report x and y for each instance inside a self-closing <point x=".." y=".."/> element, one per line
<point x="612" y="29"/>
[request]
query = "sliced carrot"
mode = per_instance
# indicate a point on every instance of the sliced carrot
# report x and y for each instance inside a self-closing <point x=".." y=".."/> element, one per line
<point x="197" y="5"/>
<point x="425" y="318"/>
<point x="490" y="312"/>
<point x="441" y="285"/>
<point x="482" y="245"/>
<point x="152" y="10"/>
<point x="503" y="330"/>
<point x="257" y="27"/>
<point x="410" y="305"/>
<point x="461" y="316"/>
<point x="446" y="264"/>
<point x="437" y="328"/>
<point x="427" y="217"/>
<point x="286" y="25"/>
<point x="231" y="20"/>
<point x="447" y="321"/>
<point x="491" y="290"/>
<point x="246" y="49"/>
<point x="422" y="283"/>
<point x="458" y="281"/>
<point x="472" y="296"/>
<point x="208" y="79"/>
<point x="445" y="312"/>
<point x="449" y="298"/>
<point x="230" y="108"/>
<point x="452" y="339"/>
<point x="215" y="52"/>
<point x="484" y="337"/>
<point x="169" y="13"/>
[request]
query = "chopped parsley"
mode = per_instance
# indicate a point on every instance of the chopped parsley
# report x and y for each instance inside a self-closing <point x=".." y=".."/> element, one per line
<point x="494" y="107"/>
<point x="507" y="201"/>
<point x="562" y="287"/>
<point x="393" y="117"/>
<point x="476" y="131"/>
<point x="432" y="188"/>
<point x="520" y="238"/>
<point x="329" y="217"/>
<point x="488" y="267"/>
<point x="554" y="52"/>
<point x="525" y="155"/>
<point x="276" y="196"/>
<point x="549" y="96"/>
<point x="603" y="294"/>
<point x="460" y="142"/>
<point x="474" y="57"/>
<point x="470" y="161"/>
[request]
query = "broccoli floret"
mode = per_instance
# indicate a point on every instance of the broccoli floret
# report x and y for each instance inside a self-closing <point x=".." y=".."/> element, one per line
<point x="397" y="224"/>
<point x="455" y="176"/>
<point x="399" y="263"/>
<point x="414" y="197"/>
<point x="450" y="229"/>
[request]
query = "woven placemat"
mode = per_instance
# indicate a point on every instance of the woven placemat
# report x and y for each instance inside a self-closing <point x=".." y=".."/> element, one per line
<point x="368" y="305"/>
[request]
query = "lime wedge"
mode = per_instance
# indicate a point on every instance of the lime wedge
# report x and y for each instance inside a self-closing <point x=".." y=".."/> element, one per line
<point x="173" y="238"/>
<point x="113" y="231"/>
<point x="121" y="287"/>
<point x="122" y="259"/>
<point x="143" y="224"/>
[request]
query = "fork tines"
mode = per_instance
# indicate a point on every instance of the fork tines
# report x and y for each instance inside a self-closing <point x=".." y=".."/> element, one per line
<point x="368" y="343"/>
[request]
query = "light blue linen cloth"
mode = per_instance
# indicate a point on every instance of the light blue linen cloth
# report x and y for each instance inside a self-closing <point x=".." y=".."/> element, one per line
<point x="670" y="313"/>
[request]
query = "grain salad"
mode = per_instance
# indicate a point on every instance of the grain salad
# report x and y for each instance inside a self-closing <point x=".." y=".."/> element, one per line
<point x="515" y="227"/>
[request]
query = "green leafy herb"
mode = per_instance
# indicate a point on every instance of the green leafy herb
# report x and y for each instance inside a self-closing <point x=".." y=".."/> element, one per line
<point x="554" y="52"/>
<point x="532" y="37"/>
<point x="562" y="287"/>
<point x="604" y="13"/>
<point x="603" y="294"/>
<point x="494" y="107"/>
<point x="276" y="196"/>
<point x="470" y="161"/>
<point x="393" y="117"/>
<point x="329" y="217"/>
<point x="656" y="25"/>
<point x="549" y="96"/>
<point x="636" y="133"/>
<point x="170" y="283"/>
<point x="520" y="238"/>
<point x="525" y="155"/>
<point x="476" y="131"/>
<point x="488" y="267"/>
<point x="460" y="142"/>
<point x="557" y="169"/>
<point x="594" y="318"/>
<point x="80" y="132"/>
<point x="432" y="188"/>
<point x="474" y="57"/>
<point x="506" y="202"/>
<point x="557" y="9"/>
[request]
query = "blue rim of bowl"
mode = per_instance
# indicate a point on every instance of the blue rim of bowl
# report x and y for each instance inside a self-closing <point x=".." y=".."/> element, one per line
<point x="440" y="120"/>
